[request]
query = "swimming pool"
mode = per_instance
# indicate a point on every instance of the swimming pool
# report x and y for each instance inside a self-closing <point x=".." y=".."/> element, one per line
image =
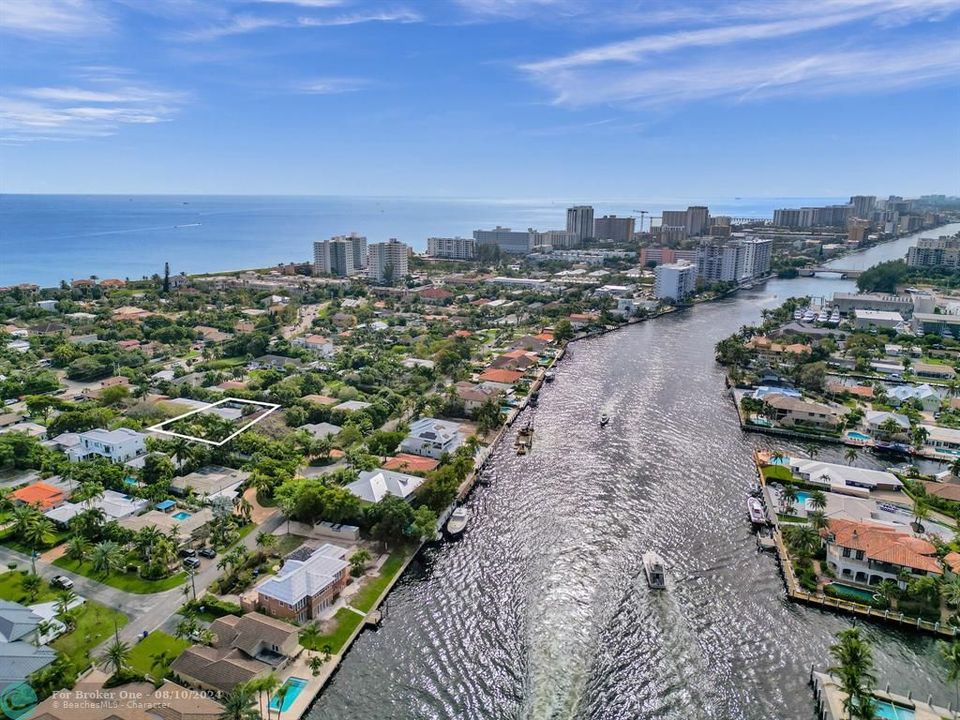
<point x="182" y="515"/>
<point x="293" y="686"/>
<point x="888" y="711"/>
<point x="848" y="592"/>
<point x="854" y="435"/>
<point x="779" y="461"/>
<point x="802" y="497"/>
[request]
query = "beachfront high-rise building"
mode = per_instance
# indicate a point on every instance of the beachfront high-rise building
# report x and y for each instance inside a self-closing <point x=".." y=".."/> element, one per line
<point x="673" y="226"/>
<point x="455" y="248"/>
<point x="863" y="206"/>
<point x="509" y="241"/>
<point x="941" y="252"/>
<point x="358" y="244"/>
<point x="787" y="217"/>
<point x="697" y="220"/>
<point x="613" y="228"/>
<point x="809" y="217"/>
<point x="580" y="221"/>
<point x="333" y="257"/>
<point x="388" y="261"/>
<point x="675" y="281"/>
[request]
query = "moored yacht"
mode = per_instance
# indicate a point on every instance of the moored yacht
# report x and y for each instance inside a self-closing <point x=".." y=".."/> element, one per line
<point x="809" y="315"/>
<point x="823" y="316"/>
<point x="798" y="314"/>
<point x="758" y="515"/>
<point x="458" y="521"/>
<point x="655" y="570"/>
<point x="835" y="316"/>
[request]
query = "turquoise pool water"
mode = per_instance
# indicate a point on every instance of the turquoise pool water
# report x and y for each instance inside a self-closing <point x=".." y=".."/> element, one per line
<point x="802" y="497"/>
<point x="854" y="435"/>
<point x="779" y="460"/>
<point x="130" y="481"/>
<point x="182" y="515"/>
<point x="294" y="685"/>
<point x="848" y="592"/>
<point x="889" y="711"/>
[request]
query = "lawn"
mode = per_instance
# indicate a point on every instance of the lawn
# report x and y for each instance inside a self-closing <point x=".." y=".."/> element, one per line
<point x="12" y="589"/>
<point x="347" y="621"/>
<point x="122" y="581"/>
<point x="142" y="654"/>
<point x="777" y="472"/>
<point x="95" y="623"/>
<point x="368" y="594"/>
<point x="8" y="541"/>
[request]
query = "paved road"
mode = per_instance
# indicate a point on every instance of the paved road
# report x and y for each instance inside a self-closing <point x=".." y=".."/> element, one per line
<point x="306" y="315"/>
<point x="145" y="612"/>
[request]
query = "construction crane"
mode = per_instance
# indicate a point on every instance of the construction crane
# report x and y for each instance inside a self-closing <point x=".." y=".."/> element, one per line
<point x="643" y="213"/>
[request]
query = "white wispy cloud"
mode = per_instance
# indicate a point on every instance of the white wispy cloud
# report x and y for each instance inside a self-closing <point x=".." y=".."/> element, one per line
<point x="331" y="85"/>
<point x="51" y="17"/>
<point x="246" y="23"/>
<point x="305" y="3"/>
<point x="743" y="78"/>
<point x="752" y="55"/>
<point x="69" y="112"/>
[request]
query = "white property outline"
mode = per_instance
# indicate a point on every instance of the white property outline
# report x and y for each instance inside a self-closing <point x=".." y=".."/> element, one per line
<point x="158" y="428"/>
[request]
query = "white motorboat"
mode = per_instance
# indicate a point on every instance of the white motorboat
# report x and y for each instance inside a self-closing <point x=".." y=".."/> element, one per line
<point x="809" y="316"/>
<point x="758" y="515"/>
<point x="549" y="376"/>
<point x="835" y="316"/>
<point x="604" y="419"/>
<point x="458" y="521"/>
<point x="823" y="316"/>
<point x="798" y="314"/>
<point x="655" y="570"/>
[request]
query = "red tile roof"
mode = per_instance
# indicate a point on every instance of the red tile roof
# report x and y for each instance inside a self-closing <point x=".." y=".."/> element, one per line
<point x="885" y="544"/>
<point x="508" y="377"/>
<point x="40" y="494"/>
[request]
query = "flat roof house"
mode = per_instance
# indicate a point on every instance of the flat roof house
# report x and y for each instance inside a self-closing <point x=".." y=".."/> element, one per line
<point x="210" y="481"/>
<point x="305" y="588"/>
<point x="117" y="446"/>
<point x="844" y="479"/>
<point x="432" y="438"/>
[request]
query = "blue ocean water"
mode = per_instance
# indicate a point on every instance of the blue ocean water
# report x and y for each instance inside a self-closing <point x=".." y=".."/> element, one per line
<point x="48" y="238"/>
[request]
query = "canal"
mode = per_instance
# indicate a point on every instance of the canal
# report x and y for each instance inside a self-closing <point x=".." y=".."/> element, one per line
<point x="541" y="610"/>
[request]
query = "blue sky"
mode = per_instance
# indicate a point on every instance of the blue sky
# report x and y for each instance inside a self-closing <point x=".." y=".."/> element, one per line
<point x="481" y="98"/>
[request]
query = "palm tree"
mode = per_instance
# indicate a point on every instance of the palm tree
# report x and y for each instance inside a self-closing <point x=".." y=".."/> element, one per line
<point x="888" y="589"/>
<point x="264" y="685"/>
<point x="31" y="584"/>
<point x="955" y="467"/>
<point x="951" y="593"/>
<point x="803" y="539"/>
<point x="811" y="450"/>
<point x="243" y="507"/>
<point x="161" y="662"/>
<point x="186" y="628"/>
<point x="359" y="560"/>
<point x="920" y="436"/>
<point x="851" y="455"/>
<point x="239" y="704"/>
<point x="854" y="670"/>
<point x="818" y="519"/>
<point x="115" y="656"/>
<point x="789" y="498"/>
<point x="106" y="558"/>
<point x="266" y="541"/>
<point x="310" y="637"/>
<point x="77" y="548"/>
<point x="65" y="600"/>
<point x="818" y="500"/>
<point x="37" y="534"/>
<point x="951" y="654"/>
<point x="921" y="511"/>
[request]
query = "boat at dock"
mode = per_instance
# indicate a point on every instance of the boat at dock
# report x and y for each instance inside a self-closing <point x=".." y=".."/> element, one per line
<point x="655" y="570"/>
<point x="458" y="522"/>
<point x="549" y="376"/>
<point x="604" y="419"/>
<point x="758" y="514"/>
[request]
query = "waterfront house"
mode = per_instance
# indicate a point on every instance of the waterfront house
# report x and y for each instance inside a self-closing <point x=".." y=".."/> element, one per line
<point x="474" y="396"/>
<point x="515" y="360"/>
<point x="769" y="351"/>
<point x="119" y="446"/>
<point x="844" y="479"/>
<point x="305" y="588"/>
<point x="934" y="370"/>
<point x="374" y="485"/>
<point x="503" y="378"/>
<point x="531" y="343"/>
<point x="924" y="394"/>
<point x="243" y="648"/>
<point x="942" y="439"/>
<point x="432" y="438"/>
<point x="40" y="495"/>
<point x="316" y="344"/>
<point x="868" y="553"/>
<point x="864" y="392"/>
<point x="789" y="411"/>
<point x="876" y="419"/>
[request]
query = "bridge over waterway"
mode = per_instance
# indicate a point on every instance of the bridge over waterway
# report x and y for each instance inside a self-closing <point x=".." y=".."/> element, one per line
<point x="839" y="273"/>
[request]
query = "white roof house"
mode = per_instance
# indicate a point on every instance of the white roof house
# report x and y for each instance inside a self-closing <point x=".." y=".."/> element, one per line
<point x="351" y="406"/>
<point x="924" y="393"/>
<point x="117" y="445"/>
<point x="843" y="478"/>
<point x="374" y="485"/>
<point x="299" y="579"/>
<point x="321" y="430"/>
<point x="942" y="437"/>
<point x="114" y="505"/>
<point x="876" y="418"/>
<point x="432" y="438"/>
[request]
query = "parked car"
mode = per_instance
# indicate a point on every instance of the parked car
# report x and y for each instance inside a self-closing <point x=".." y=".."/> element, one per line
<point x="188" y="553"/>
<point x="208" y="552"/>
<point x="62" y="581"/>
<point x="191" y="563"/>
